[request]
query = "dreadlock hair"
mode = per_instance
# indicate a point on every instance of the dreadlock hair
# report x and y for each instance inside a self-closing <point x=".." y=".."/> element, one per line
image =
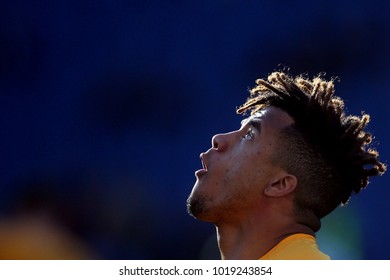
<point x="324" y="148"/>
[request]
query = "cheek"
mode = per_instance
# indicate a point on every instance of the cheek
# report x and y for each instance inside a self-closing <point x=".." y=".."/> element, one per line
<point x="237" y="169"/>
<point x="254" y="169"/>
<point x="242" y="170"/>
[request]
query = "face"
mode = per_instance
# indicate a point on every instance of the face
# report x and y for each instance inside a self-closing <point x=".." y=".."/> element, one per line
<point x="237" y="167"/>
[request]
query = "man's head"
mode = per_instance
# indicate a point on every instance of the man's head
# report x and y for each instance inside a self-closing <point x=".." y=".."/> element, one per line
<point x="323" y="153"/>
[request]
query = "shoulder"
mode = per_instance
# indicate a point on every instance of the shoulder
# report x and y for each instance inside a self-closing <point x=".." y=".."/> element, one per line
<point x="296" y="247"/>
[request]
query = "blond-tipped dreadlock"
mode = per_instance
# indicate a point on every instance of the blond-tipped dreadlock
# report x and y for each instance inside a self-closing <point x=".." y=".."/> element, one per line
<point x="327" y="149"/>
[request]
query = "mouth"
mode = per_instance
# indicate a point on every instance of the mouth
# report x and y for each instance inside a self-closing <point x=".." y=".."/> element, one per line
<point x="202" y="159"/>
<point x="204" y="166"/>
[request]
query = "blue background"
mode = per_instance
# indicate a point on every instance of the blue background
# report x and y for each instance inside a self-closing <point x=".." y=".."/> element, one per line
<point x="105" y="106"/>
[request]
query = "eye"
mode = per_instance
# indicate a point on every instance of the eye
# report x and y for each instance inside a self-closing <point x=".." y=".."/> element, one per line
<point x="249" y="134"/>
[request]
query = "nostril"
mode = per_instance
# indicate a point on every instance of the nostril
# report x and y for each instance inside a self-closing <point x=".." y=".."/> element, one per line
<point x="219" y="142"/>
<point x="215" y="141"/>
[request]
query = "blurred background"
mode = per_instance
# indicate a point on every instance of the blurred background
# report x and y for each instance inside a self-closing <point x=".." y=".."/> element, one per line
<point x="105" y="106"/>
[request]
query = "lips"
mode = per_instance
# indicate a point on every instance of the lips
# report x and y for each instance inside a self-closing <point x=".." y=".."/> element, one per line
<point x="202" y="159"/>
<point x="204" y="166"/>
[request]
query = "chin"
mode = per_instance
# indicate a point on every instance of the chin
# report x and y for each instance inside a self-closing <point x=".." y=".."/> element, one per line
<point x="197" y="208"/>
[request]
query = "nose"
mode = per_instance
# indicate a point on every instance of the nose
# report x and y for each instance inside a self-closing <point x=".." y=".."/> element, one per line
<point x="219" y="142"/>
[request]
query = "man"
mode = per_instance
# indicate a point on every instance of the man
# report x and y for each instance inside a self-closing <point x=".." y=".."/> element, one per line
<point x="298" y="156"/>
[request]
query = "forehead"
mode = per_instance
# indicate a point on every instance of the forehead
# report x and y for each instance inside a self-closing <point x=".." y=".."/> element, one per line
<point x="270" y="117"/>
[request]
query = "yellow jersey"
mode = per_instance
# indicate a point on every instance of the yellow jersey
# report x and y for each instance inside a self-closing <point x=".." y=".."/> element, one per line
<point x="298" y="246"/>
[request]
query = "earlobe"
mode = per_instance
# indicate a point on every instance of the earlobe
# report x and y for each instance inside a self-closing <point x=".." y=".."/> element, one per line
<point x="281" y="186"/>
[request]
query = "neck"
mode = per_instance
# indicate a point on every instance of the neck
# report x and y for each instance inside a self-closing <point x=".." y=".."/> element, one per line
<point x="252" y="239"/>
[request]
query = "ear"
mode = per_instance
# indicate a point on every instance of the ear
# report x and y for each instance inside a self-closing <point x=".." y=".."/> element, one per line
<point x="281" y="186"/>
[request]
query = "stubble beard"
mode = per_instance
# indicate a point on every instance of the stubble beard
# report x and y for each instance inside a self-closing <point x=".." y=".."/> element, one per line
<point x="200" y="207"/>
<point x="195" y="205"/>
<point x="206" y="207"/>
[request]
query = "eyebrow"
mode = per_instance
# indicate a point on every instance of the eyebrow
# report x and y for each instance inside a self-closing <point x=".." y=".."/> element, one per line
<point x="254" y="122"/>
